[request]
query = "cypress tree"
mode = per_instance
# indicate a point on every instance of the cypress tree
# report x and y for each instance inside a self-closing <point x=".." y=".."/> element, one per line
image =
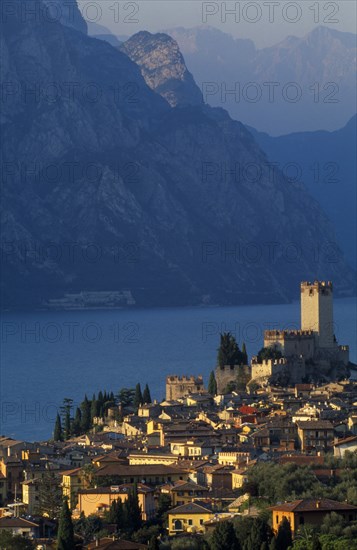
<point x="212" y="384"/>
<point x="245" y="354"/>
<point x="57" y="434"/>
<point x="67" y="425"/>
<point x="85" y="410"/>
<point x="146" y="395"/>
<point x="284" y="537"/>
<point x="76" y="424"/>
<point x="138" y="397"/>
<point x="93" y="409"/>
<point x="132" y="510"/>
<point x="65" y="536"/>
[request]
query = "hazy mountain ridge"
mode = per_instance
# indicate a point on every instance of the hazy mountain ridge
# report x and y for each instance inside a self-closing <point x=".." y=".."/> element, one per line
<point x="152" y="196"/>
<point x="326" y="162"/>
<point x="321" y="66"/>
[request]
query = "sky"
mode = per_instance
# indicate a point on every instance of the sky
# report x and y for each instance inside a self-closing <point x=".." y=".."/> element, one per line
<point x="266" y="22"/>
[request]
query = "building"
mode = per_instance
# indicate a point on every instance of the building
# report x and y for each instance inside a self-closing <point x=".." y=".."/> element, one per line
<point x="348" y="444"/>
<point x="72" y="482"/>
<point x="188" y="518"/>
<point x="99" y="500"/>
<point x="184" y="492"/>
<point x="310" y="512"/>
<point x="315" y="435"/>
<point x="178" y="387"/>
<point x="19" y="526"/>
<point x="239" y="478"/>
<point x="227" y="374"/>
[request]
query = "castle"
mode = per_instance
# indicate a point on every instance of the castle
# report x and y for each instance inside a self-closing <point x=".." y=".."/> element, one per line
<point x="181" y="386"/>
<point x="312" y="351"/>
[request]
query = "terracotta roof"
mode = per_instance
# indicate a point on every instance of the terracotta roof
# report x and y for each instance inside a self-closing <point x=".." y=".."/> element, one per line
<point x="301" y="460"/>
<point x="315" y="425"/>
<point x="191" y="508"/>
<point x="138" y="470"/>
<point x="313" y="505"/>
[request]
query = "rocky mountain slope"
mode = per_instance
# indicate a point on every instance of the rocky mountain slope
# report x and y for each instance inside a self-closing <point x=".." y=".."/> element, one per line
<point x="106" y="186"/>
<point x="299" y="84"/>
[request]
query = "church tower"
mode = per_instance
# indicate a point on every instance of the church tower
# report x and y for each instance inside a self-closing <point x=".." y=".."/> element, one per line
<point x="317" y="311"/>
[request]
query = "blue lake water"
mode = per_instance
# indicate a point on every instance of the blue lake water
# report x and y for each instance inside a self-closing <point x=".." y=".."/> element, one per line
<point x="46" y="356"/>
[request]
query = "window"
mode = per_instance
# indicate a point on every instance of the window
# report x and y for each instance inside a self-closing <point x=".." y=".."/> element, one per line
<point x="201" y="521"/>
<point x="301" y="520"/>
<point x="277" y="519"/>
<point x="190" y="521"/>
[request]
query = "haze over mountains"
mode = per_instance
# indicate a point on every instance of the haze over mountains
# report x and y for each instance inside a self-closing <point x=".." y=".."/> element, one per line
<point x="114" y="187"/>
<point x="300" y="84"/>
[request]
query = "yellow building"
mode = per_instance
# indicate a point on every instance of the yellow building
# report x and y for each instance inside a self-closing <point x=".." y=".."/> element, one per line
<point x="98" y="501"/>
<point x="239" y="478"/>
<point x="72" y="482"/>
<point x="151" y="458"/>
<point x="184" y="492"/>
<point x="188" y="518"/>
<point x="310" y="511"/>
<point x="3" y="489"/>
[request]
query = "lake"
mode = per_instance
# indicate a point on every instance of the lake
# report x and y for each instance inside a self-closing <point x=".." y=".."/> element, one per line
<point x="46" y="356"/>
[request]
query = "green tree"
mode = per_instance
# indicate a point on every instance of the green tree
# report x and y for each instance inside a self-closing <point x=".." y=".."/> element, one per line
<point x="88" y="527"/>
<point x="245" y="354"/>
<point x="8" y="541"/>
<point x="146" y="395"/>
<point x="76" y="424"/>
<point x="85" y="415"/>
<point x="58" y="434"/>
<point x="154" y="543"/>
<point x="138" y="397"/>
<point x="228" y="351"/>
<point x="315" y="543"/>
<point x="268" y="353"/>
<point x="66" y="416"/>
<point x="94" y="409"/>
<point x="284" y="538"/>
<point x="65" y="535"/>
<point x="132" y="510"/>
<point x="212" y="384"/>
<point x="49" y="495"/>
<point x="224" y="537"/>
<point x="126" y="396"/>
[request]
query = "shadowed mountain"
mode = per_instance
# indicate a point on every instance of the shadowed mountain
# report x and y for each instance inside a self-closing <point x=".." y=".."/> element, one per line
<point x="113" y="188"/>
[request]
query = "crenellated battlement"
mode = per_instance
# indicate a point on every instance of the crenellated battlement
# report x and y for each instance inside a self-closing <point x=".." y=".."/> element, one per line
<point x="284" y="334"/>
<point x="269" y="362"/>
<point x="317" y="284"/>
<point x="176" y="379"/>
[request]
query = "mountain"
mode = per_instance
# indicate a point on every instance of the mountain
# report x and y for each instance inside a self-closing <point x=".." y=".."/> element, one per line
<point x="326" y="162"/>
<point x="299" y="84"/>
<point x="66" y="12"/>
<point x="114" y="189"/>
<point x="103" y="33"/>
<point x="163" y="68"/>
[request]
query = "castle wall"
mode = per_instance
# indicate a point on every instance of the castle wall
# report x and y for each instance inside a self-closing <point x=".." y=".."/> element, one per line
<point x="181" y="386"/>
<point x="225" y="375"/>
<point x="291" y="342"/>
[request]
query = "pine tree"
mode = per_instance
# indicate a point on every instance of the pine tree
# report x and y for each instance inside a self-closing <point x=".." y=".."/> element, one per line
<point x="85" y="411"/>
<point x="146" y="395"/>
<point x="138" y="397"/>
<point x="65" y="536"/>
<point x="212" y="384"/>
<point x="58" y="434"/>
<point x="284" y="537"/>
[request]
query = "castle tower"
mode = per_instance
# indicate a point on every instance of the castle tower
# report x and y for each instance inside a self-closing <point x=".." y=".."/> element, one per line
<point x="317" y="311"/>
